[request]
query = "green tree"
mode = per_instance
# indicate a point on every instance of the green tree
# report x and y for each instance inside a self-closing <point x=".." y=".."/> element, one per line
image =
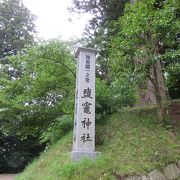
<point x="173" y="80"/>
<point x="146" y="39"/>
<point x="16" y="26"/>
<point x="100" y="28"/>
<point x="43" y="91"/>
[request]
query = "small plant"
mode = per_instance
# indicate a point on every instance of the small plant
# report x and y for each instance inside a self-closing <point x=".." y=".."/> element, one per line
<point x="58" y="129"/>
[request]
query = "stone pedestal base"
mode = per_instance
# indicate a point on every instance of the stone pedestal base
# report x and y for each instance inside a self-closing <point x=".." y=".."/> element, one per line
<point x="78" y="155"/>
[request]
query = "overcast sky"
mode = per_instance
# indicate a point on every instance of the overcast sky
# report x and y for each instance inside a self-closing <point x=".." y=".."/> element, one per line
<point x="53" y="19"/>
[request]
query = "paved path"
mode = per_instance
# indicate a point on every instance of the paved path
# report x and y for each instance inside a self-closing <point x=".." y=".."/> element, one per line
<point x="7" y="176"/>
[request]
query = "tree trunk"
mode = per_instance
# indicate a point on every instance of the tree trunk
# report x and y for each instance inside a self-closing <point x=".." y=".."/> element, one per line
<point x="160" y="89"/>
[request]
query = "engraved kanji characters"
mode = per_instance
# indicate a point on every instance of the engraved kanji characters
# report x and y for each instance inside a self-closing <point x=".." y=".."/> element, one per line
<point x="87" y="93"/>
<point x="87" y="62"/>
<point x="87" y="78"/>
<point x="86" y="123"/>
<point x="85" y="137"/>
<point x="86" y="106"/>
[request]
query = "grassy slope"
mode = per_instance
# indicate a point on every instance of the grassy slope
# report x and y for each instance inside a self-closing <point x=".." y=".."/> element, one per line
<point x="131" y="143"/>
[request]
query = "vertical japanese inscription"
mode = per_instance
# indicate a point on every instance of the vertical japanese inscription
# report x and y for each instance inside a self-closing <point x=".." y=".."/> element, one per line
<point x="85" y="138"/>
<point x="87" y="93"/>
<point x="86" y="105"/>
<point x="87" y="62"/>
<point x="87" y="78"/>
<point x="85" y="101"/>
<point x="86" y="123"/>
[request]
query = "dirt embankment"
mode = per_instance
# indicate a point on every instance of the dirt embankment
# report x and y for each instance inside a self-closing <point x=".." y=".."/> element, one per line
<point x="174" y="108"/>
<point x="7" y="176"/>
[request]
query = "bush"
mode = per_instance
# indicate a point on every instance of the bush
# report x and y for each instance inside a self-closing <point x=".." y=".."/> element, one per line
<point x="173" y="80"/>
<point x="103" y="97"/>
<point x="16" y="154"/>
<point x="111" y="98"/>
<point x="58" y="129"/>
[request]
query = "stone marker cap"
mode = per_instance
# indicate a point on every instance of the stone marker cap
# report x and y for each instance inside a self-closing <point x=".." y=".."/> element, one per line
<point x="91" y="50"/>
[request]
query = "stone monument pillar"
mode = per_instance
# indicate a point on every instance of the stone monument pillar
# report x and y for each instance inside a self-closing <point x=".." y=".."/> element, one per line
<point x="84" y="113"/>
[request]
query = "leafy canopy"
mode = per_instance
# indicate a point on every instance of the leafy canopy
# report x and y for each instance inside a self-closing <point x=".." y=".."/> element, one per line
<point x="146" y="34"/>
<point x="16" y="26"/>
<point x="43" y="91"/>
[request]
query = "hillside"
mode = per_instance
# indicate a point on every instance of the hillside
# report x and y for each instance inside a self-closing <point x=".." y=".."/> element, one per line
<point x="131" y="143"/>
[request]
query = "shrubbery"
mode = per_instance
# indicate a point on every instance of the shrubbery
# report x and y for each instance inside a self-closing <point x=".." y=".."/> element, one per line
<point x="58" y="129"/>
<point x="16" y="154"/>
<point x="110" y="98"/>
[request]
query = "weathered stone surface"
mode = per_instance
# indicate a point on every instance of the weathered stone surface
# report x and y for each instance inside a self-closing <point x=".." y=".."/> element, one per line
<point x="137" y="178"/>
<point x="75" y="156"/>
<point x="84" y="111"/>
<point x="134" y="178"/>
<point x="178" y="163"/>
<point x="172" y="171"/>
<point x="144" y="177"/>
<point x="156" y="175"/>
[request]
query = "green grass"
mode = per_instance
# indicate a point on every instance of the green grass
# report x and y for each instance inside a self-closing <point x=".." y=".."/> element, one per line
<point x="131" y="142"/>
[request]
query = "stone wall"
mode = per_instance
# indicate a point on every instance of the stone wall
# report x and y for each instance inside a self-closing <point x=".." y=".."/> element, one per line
<point x="170" y="172"/>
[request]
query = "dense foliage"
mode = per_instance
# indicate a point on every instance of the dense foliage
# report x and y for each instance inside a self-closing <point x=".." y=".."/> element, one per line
<point x="34" y="103"/>
<point x="100" y="28"/>
<point x="173" y="80"/>
<point x="43" y="91"/>
<point x="16" y="26"/>
<point x="17" y="30"/>
<point x="16" y="154"/>
<point x="146" y="41"/>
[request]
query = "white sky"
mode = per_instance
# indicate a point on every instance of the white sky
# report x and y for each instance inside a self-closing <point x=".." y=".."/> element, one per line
<point x="53" y="19"/>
